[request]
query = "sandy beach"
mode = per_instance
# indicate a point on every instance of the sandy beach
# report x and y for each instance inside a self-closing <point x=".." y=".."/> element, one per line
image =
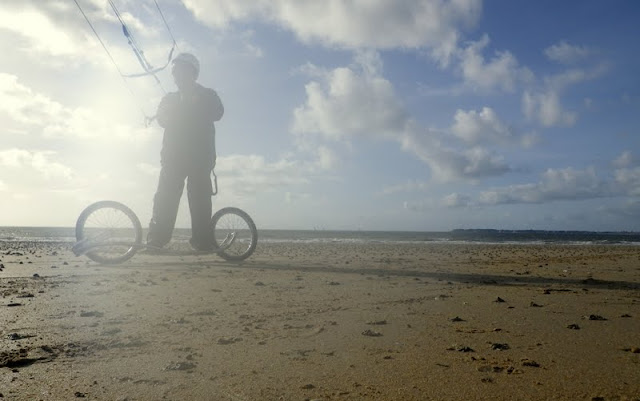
<point x="324" y="321"/>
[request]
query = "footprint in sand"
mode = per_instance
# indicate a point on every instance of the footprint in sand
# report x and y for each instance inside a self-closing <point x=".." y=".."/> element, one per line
<point x="229" y="340"/>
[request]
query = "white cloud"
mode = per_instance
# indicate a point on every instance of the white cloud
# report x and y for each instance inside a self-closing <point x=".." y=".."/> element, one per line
<point x="568" y="184"/>
<point x="434" y="24"/>
<point x="473" y="163"/>
<point x="555" y="184"/>
<point x="530" y="139"/>
<point x="18" y="163"/>
<point x="148" y="169"/>
<point x="626" y="159"/>
<point x="24" y="106"/>
<point x="456" y="200"/>
<point x="222" y="13"/>
<point x="350" y="101"/>
<point x="408" y="186"/>
<point x="41" y="32"/>
<point x="501" y="72"/>
<point x="419" y="206"/>
<point x="31" y="111"/>
<point x="358" y="102"/>
<point x="483" y="126"/>
<point x="327" y="158"/>
<point x="250" y="174"/>
<point x="588" y="103"/>
<point x="250" y="49"/>
<point x="450" y="164"/>
<point x="545" y="107"/>
<point x="293" y="198"/>
<point x="566" y="53"/>
<point x="629" y="211"/>
<point x="629" y="180"/>
<point x="575" y="76"/>
<point x="50" y="34"/>
<point x="53" y="34"/>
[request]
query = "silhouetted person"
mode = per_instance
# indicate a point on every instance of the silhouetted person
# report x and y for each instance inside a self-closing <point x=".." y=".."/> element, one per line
<point x="188" y="153"/>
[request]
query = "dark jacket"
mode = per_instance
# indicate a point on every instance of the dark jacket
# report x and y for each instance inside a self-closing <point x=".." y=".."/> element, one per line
<point x="189" y="131"/>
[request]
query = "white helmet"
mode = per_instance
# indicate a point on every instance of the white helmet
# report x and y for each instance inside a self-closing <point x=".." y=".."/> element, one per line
<point x="189" y="59"/>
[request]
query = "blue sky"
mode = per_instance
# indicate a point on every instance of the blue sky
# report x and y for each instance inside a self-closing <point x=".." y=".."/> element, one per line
<point x="377" y="115"/>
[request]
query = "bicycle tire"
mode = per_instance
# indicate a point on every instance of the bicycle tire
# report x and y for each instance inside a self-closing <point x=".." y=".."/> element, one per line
<point x="235" y="222"/>
<point x="110" y="221"/>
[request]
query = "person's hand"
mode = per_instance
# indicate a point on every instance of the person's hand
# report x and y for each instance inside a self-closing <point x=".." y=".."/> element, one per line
<point x="167" y="110"/>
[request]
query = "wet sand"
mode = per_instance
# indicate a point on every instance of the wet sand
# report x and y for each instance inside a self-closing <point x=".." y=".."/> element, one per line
<point x="323" y="322"/>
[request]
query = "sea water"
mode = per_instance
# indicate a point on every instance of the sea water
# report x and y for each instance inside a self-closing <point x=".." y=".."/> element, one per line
<point x="67" y="235"/>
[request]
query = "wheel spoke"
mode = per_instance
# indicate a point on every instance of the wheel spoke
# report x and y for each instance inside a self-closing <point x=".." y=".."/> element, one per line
<point x="104" y="224"/>
<point x="235" y="234"/>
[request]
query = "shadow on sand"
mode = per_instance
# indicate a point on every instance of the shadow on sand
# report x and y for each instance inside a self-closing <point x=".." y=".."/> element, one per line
<point x="464" y="278"/>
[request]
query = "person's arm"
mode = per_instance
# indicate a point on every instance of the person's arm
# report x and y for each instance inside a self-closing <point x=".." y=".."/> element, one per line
<point x="217" y="109"/>
<point x="214" y="155"/>
<point x="166" y="112"/>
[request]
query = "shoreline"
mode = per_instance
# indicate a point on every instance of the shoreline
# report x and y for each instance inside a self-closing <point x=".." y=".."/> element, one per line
<point x="456" y="236"/>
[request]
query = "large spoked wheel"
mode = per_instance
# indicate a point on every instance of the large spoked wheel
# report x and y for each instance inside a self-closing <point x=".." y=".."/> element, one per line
<point x="235" y="233"/>
<point x="110" y="231"/>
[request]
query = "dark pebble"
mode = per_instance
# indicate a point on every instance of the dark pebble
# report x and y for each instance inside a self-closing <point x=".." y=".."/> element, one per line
<point x="229" y="340"/>
<point x="181" y="366"/>
<point x="528" y="362"/>
<point x="461" y="349"/>
<point x="371" y="333"/>
<point x="16" y="336"/>
<point x="91" y="314"/>
<point x="47" y="348"/>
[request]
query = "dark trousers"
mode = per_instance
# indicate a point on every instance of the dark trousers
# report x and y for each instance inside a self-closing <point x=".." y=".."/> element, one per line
<point x="167" y="200"/>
